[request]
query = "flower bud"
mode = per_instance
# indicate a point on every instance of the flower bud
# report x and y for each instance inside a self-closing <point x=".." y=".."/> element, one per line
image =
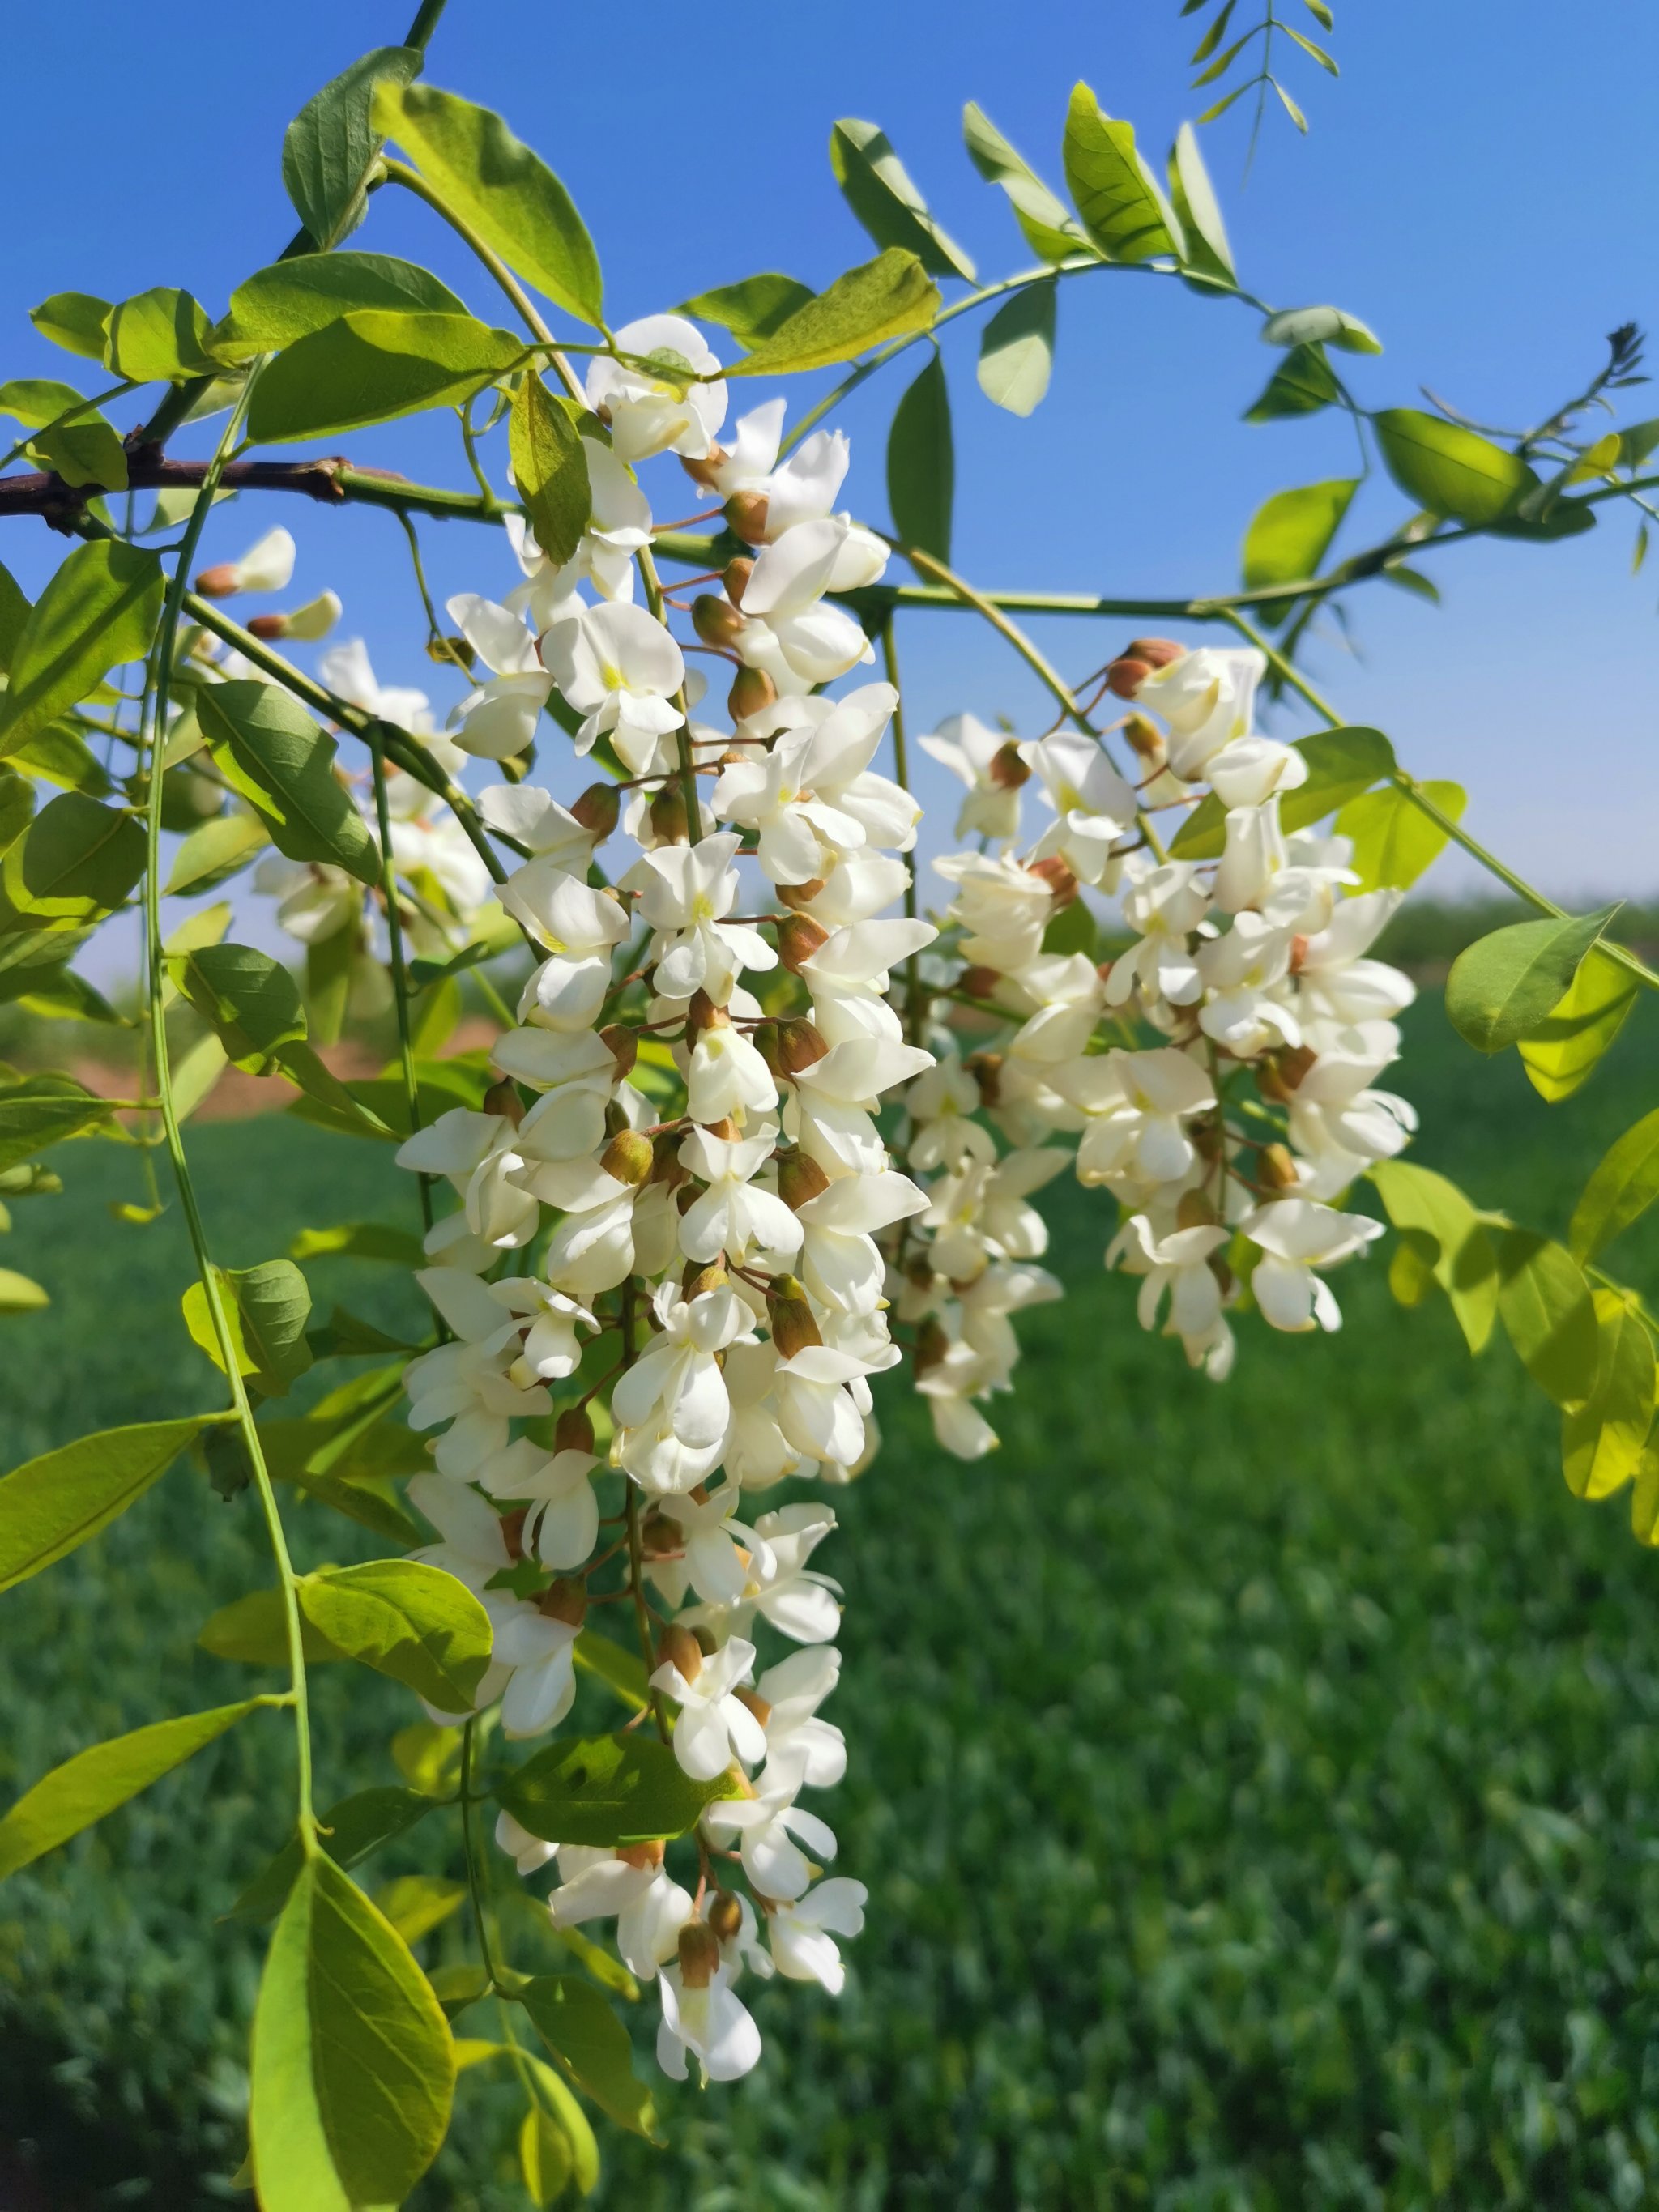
<point x="642" y="1854"/>
<point x="715" y="620"/>
<point x="305" y="624"/>
<point x="986" y="1068"/>
<point x="660" y="1538"/>
<point x="513" y="1531"/>
<point x="981" y="982"/>
<point x="735" y="579"/>
<point x="597" y="809"/>
<point x="701" y="1278"/>
<point x="790" y="1316"/>
<point x="677" y="1647"/>
<point x="800" y="1046"/>
<point x="798" y="939"/>
<point x="1206" y="1137"/>
<point x="704" y="469"/>
<point x="756" y="1703"/>
<point x="800" y="894"/>
<point x="1145" y="740"/>
<point x="1285" y="1072"/>
<point x="668" y="816"/>
<point x="629" y="1157"/>
<point x="222" y="581"/>
<point x="800" y="1179"/>
<point x="1276" y="1168"/>
<point x="1126" y="675"/>
<point x="565" y="1600"/>
<point x="701" y="1013"/>
<point x="751" y="690"/>
<point x="1298" y="954"/>
<point x="446" y="651"/>
<point x="1195" y="1210"/>
<point x="1059" y="878"/>
<point x="746" y="515"/>
<point x="574" y="1430"/>
<point x="622" y="1045"/>
<point x="503" y="1098"/>
<point x="1008" y="769"/>
<point x="724" y="1916"/>
<point x="1156" y="652"/>
<point x="932" y="1344"/>
<point x="700" y="1955"/>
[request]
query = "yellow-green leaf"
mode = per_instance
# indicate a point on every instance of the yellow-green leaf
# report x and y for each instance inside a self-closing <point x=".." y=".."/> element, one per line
<point x="1122" y="208"/>
<point x="1424" y="1205"/>
<point x="1603" y="1440"/>
<point x="1393" y="841"/>
<point x="1505" y="983"/>
<point x="98" y="612"/>
<point x="1449" y="470"/>
<point x="878" y="189"/>
<point x="881" y="299"/>
<point x="1548" y="1309"/>
<point x="407" y="1619"/>
<point x="51" y="1505"/>
<point x="1562" y="1052"/>
<point x="549" y="468"/>
<point x="372" y="365"/>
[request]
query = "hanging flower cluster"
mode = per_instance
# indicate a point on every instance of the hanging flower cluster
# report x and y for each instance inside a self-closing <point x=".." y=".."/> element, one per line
<point x="1217" y="1075"/>
<point x="661" y="1294"/>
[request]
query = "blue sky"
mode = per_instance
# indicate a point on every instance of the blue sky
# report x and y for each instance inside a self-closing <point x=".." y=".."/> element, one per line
<point x="1479" y="192"/>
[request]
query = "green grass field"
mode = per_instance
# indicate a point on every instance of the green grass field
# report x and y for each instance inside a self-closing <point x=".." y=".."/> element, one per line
<point x="1258" y="1788"/>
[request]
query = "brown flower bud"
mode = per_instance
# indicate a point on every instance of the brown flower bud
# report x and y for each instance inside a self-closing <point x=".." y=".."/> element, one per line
<point x="800" y="1179"/>
<point x="1059" y="878"/>
<point x="503" y="1098"/>
<point x="932" y="1344"/>
<point x="629" y="1157"/>
<point x="986" y="1068"/>
<point x="1125" y="675"/>
<point x="792" y="1325"/>
<point x="574" y="1430"/>
<point x="1195" y="1210"/>
<point x="659" y="1537"/>
<point x="736" y="578"/>
<point x="221" y="581"/>
<point x="269" y="627"/>
<point x="1286" y="1072"/>
<point x="565" y="1600"/>
<point x="725" y="1129"/>
<point x="699" y="1279"/>
<point x="705" y="467"/>
<point x="700" y="1955"/>
<point x="1298" y="954"/>
<point x="981" y="982"/>
<point x="746" y="515"/>
<point x="668" y="815"/>
<point x="513" y="1531"/>
<point x="642" y="1854"/>
<point x="623" y="1046"/>
<point x="751" y="690"/>
<point x="1008" y="769"/>
<point x="800" y="894"/>
<point x="1275" y="1168"/>
<point x="686" y="1199"/>
<point x="798" y="939"/>
<point x="677" y="1647"/>
<point x="715" y="619"/>
<point x="724" y="1916"/>
<point x="756" y="1703"/>
<point x="597" y="809"/>
<point x="701" y="1013"/>
<point x="800" y="1046"/>
<point x="1156" y="652"/>
<point x="1145" y="740"/>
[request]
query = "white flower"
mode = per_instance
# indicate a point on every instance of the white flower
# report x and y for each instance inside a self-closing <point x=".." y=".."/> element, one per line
<point x="563" y="1523"/>
<point x="989" y="762"/>
<point x="849" y="976"/>
<point x="771" y="793"/>
<point x="619" y="524"/>
<point x="766" y="1826"/>
<point x="651" y="1908"/>
<point x="315" y="900"/>
<point x="536" y="820"/>
<point x="541" y="1654"/>
<point x="685" y="893"/>
<point x="528" y="1853"/>
<point x="499" y="720"/>
<point x="1177" y="1267"/>
<point x="802" y="489"/>
<point x="1166" y="905"/>
<point x="618" y="668"/>
<point x="551" y="1349"/>
<point x="841" y="1264"/>
<point x="1335" y="982"/>
<point x="344" y="668"/>
<point x="671" y="1407"/>
<point x="476" y="1154"/>
<point x="940" y="1102"/>
<point x="311" y="623"/>
<point x="1137" y="1101"/>
<point x="1002" y="907"/>
<point x="576" y="1071"/>
<point x="582" y="925"/>
<point x="715" y="1565"/>
<point x="787" y="630"/>
<point x="711" y="2021"/>
<point x="1207" y="698"/>
<point x="1296" y="1236"/>
<point x="648" y="414"/>
<point x="727" y="1078"/>
<point x="732" y="1215"/>
<point x="713" y="1724"/>
<point x="1245" y="1006"/>
<point x="792" y="1693"/>
<point x="801" y="1932"/>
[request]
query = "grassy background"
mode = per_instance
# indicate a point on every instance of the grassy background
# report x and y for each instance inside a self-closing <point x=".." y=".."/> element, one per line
<point x="1257" y="1788"/>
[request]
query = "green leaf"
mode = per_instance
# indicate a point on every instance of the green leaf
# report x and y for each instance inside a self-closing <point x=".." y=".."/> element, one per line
<point x="881" y="299"/>
<point x="361" y="1240"/>
<point x="331" y="965"/>
<point x="349" y="1832"/>
<point x="506" y="193"/>
<point x="437" y="1089"/>
<point x="1603" y="1440"/>
<point x="1016" y="349"/>
<point x="544" y="2161"/>
<point x="269" y="749"/>
<point x="1547" y="1307"/>
<point x="329" y="147"/>
<point x="1625" y="1184"/>
<point x="51" y="1505"/>
<point x="95" y="1782"/>
<point x="1393" y="841"/>
<point x="407" y="1619"/>
<point x="20" y="1294"/>
<point x="290" y="299"/>
<point x="1072" y="930"/>
<point x="1562" y="1052"/>
<point x="75" y="860"/>
<point x="1424" y="1205"/>
<point x="210" y="856"/>
<point x="1116" y="195"/>
<point x="74" y="320"/>
<point x="62" y="756"/>
<point x="620" y="1670"/>
<point x="372" y="365"/>
<point x="560" y="2112"/>
<point x="415" y="1904"/>
<point x="352" y="2068"/>
<point x="14" y="616"/>
<point x="1342" y="763"/>
<point x="878" y="189"/>
<point x="1504" y="984"/>
<point x="752" y="309"/>
<point x="251" y="1000"/>
<point x="1290" y="535"/>
<point x="56" y="995"/>
<point x="1193" y="196"/>
<point x="253" y="1630"/>
<point x="159" y="337"/>
<point x="428" y="1757"/>
<point x="1300" y="327"/>
<point x="43" y="1110"/>
<point x="98" y="611"/>
<point x="922" y="463"/>
<point x="593" y="2047"/>
<point x="550" y="469"/>
<point x="84" y="451"/>
<point x="1303" y="383"/>
<point x="1050" y="231"/>
<point x="607" y="1789"/>
<point x="267" y="1308"/>
<point x="1451" y="471"/>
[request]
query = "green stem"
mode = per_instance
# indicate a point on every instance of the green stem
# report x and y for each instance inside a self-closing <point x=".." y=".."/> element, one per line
<point x="648" y="577"/>
<point x="399" y="172"/>
<point x="914" y="1004"/>
<point x="399" y="968"/>
<point x="635" y="1545"/>
<point x="435" y="636"/>
<point x="425" y="23"/>
<point x="475" y="1872"/>
<point x="156" y="714"/>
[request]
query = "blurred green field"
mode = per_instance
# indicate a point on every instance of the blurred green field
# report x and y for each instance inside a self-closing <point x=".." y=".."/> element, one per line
<point x="1258" y="1788"/>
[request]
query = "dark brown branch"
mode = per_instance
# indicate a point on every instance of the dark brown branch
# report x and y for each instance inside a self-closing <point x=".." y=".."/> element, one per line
<point x="331" y="480"/>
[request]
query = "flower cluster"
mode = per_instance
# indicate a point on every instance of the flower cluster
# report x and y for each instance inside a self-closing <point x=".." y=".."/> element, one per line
<point x="660" y="1293"/>
<point x="1217" y="1074"/>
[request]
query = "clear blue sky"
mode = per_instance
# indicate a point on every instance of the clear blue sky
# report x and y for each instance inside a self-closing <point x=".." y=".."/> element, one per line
<point x="1479" y="186"/>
